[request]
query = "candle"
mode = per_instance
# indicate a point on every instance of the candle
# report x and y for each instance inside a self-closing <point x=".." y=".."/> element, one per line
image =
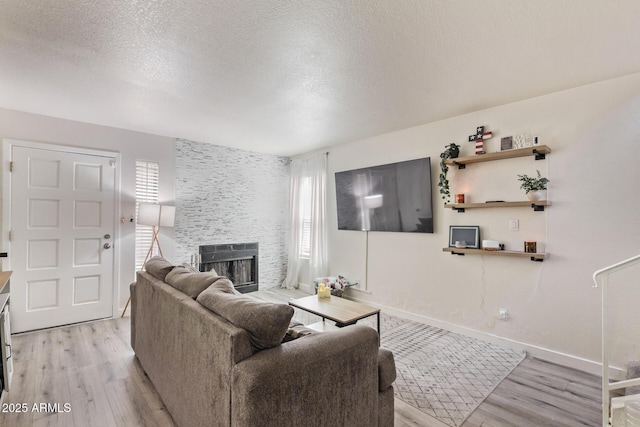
<point x="323" y="291"/>
<point x="460" y="198"/>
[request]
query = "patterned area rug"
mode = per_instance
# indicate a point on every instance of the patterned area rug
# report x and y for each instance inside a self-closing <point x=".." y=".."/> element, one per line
<point x="443" y="374"/>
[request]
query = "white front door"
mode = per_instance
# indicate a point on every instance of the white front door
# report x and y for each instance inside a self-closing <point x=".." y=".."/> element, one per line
<point x="62" y="222"/>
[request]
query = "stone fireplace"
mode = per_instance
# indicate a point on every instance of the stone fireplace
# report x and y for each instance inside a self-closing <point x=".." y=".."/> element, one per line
<point x="237" y="261"/>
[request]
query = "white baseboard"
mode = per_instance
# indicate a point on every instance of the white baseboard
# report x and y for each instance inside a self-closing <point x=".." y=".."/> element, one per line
<point x="585" y="365"/>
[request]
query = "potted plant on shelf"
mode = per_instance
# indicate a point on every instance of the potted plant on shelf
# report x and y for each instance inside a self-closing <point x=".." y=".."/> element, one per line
<point x="451" y="152"/>
<point x="535" y="187"/>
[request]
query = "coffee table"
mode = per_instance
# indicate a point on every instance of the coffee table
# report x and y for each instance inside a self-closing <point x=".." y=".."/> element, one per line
<point x="340" y="310"/>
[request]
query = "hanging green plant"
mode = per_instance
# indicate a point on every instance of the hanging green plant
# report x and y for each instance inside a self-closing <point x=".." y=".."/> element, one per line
<point x="451" y="152"/>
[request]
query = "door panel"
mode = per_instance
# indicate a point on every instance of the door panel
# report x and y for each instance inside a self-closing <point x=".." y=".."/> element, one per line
<point x="62" y="211"/>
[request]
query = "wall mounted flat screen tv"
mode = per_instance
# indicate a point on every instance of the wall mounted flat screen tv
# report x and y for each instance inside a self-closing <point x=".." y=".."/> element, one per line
<point x="393" y="197"/>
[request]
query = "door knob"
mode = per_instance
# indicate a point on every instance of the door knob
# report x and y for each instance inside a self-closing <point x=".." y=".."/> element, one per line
<point x="106" y="245"/>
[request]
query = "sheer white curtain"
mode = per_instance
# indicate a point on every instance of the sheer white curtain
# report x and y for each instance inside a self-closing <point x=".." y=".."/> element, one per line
<point x="307" y="199"/>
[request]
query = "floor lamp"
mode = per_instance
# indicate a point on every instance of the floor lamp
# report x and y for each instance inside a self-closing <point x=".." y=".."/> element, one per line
<point x="155" y="216"/>
<point x="370" y="203"/>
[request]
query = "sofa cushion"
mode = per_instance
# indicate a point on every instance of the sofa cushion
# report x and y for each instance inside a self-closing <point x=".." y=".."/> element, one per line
<point x="185" y="280"/>
<point x="158" y="267"/>
<point x="266" y="323"/>
<point x="225" y="285"/>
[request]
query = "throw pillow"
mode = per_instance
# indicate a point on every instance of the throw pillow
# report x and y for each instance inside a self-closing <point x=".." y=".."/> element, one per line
<point x="224" y="285"/>
<point x="158" y="267"/>
<point x="188" y="282"/>
<point x="297" y="331"/>
<point x="266" y="323"/>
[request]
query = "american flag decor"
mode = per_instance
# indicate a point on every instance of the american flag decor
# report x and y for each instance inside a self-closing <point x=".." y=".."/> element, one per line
<point x="479" y="138"/>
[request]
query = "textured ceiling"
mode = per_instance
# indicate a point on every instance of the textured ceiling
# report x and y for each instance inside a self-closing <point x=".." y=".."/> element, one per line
<point x="286" y="77"/>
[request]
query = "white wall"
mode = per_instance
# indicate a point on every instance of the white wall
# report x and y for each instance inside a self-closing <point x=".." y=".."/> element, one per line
<point x="594" y="134"/>
<point x="131" y="145"/>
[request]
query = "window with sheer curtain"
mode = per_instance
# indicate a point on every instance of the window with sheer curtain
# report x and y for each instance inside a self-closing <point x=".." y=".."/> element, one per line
<point x="147" y="191"/>
<point x="305" y="215"/>
<point x="307" y="199"/>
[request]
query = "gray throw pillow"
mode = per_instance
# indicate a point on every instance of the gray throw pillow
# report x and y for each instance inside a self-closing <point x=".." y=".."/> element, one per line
<point x="266" y="323"/>
<point x="192" y="269"/>
<point x="158" y="267"/>
<point x="185" y="280"/>
<point x="297" y="331"/>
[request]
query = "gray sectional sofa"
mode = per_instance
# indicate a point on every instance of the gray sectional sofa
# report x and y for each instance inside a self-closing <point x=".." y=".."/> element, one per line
<point x="217" y="358"/>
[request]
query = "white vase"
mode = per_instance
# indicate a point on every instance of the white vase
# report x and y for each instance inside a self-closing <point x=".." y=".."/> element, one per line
<point x="537" y="195"/>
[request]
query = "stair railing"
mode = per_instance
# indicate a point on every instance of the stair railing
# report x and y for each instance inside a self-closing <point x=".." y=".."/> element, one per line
<point x="601" y="279"/>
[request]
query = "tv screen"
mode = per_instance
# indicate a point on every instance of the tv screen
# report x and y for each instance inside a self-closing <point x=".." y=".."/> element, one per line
<point x="394" y="197"/>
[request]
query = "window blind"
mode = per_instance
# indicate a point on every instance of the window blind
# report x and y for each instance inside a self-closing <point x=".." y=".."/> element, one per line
<point x="305" y="215"/>
<point x="147" y="191"/>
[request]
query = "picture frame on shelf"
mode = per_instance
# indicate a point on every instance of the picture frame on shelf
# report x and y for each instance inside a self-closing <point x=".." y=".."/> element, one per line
<point x="506" y="143"/>
<point x="470" y="234"/>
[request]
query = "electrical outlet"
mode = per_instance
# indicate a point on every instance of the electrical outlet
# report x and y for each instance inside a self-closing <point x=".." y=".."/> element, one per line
<point x="503" y="314"/>
<point x="514" y="225"/>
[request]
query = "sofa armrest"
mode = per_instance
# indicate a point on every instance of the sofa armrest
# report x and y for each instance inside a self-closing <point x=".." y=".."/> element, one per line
<point x="386" y="369"/>
<point x="330" y="378"/>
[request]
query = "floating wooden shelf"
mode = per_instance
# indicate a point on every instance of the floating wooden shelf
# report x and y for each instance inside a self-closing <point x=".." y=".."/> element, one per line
<point x="539" y="151"/>
<point x="533" y="256"/>
<point x="537" y="206"/>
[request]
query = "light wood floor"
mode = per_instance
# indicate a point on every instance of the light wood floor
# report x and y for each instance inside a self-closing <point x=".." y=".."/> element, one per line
<point x="92" y="368"/>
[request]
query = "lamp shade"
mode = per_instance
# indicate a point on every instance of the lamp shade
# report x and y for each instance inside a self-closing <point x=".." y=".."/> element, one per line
<point x="149" y="214"/>
<point x="167" y="216"/>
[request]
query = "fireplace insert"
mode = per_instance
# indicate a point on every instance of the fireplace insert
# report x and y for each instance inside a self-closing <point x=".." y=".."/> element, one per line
<point x="237" y="261"/>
